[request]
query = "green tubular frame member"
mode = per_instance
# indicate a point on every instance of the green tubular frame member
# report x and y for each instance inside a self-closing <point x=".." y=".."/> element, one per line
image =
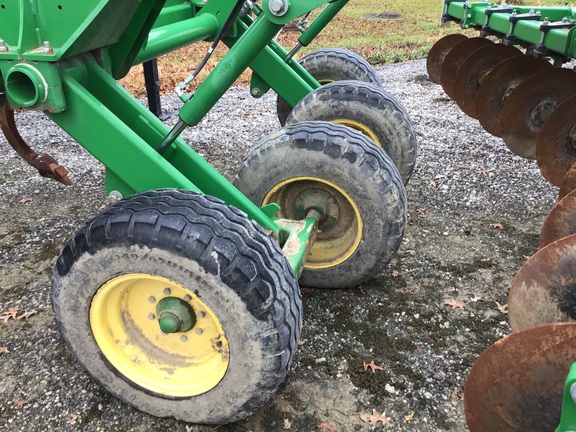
<point x="568" y="417"/>
<point x="549" y="28"/>
<point x="64" y="58"/>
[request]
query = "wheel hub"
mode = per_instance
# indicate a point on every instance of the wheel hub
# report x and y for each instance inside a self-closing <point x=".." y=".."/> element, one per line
<point x="175" y="316"/>
<point x="321" y="201"/>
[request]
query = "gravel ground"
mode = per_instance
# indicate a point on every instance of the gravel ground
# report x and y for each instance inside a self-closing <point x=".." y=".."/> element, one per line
<point x="474" y="215"/>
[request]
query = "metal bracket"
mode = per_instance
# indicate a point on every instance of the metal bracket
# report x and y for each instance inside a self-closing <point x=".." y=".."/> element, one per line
<point x="45" y="164"/>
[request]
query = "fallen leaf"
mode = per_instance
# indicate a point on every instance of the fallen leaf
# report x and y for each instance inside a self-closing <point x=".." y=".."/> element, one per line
<point x="326" y="426"/>
<point x="10" y="313"/>
<point x="409" y="417"/>
<point x="454" y="303"/>
<point x="424" y="284"/>
<point x="25" y="200"/>
<point x="18" y="404"/>
<point x="395" y="273"/>
<point x="476" y="298"/>
<point x="4" y="350"/>
<point x="372" y="366"/>
<point x="432" y="183"/>
<point x="27" y="315"/>
<point x="73" y="419"/>
<point x="497" y="225"/>
<point x="502" y="308"/>
<point x="362" y="290"/>
<point x="287" y="424"/>
<point x="374" y="418"/>
<point x="481" y="172"/>
<point x="422" y="213"/>
<point x="407" y="290"/>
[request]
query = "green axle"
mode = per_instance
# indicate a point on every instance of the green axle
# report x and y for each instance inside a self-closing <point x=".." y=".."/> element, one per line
<point x="65" y="58"/>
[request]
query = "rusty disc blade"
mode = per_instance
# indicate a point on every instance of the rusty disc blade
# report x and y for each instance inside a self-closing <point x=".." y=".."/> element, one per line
<point x="529" y="106"/>
<point x="474" y="69"/>
<point x="438" y="52"/>
<point x="556" y="144"/>
<point x="517" y="384"/>
<point x="569" y="182"/>
<point x="498" y="84"/>
<point x="544" y="290"/>
<point x="454" y="58"/>
<point x="560" y="222"/>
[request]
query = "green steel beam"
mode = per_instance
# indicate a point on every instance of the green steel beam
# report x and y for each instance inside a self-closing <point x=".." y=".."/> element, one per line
<point x="520" y="23"/>
<point x="121" y="133"/>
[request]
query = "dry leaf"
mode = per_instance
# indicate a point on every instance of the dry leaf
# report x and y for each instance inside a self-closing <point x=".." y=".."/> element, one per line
<point x="454" y="303"/>
<point x="497" y="225"/>
<point x="326" y="426"/>
<point x="476" y="298"/>
<point x="287" y="424"/>
<point x="422" y="213"/>
<point x="424" y="284"/>
<point x="432" y="183"/>
<point x="4" y="350"/>
<point x="18" y="404"/>
<point x="10" y="313"/>
<point x="409" y="417"/>
<point x="73" y="419"/>
<point x="502" y="308"/>
<point x="481" y="172"/>
<point x="27" y="315"/>
<point x="372" y="366"/>
<point x="374" y="418"/>
<point x="25" y="200"/>
<point x="395" y="273"/>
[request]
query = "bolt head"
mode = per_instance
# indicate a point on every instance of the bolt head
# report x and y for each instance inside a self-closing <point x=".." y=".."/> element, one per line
<point x="278" y="7"/>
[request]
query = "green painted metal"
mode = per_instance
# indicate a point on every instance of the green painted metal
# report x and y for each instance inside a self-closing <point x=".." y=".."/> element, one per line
<point x="296" y="238"/>
<point x="568" y="417"/>
<point x="321" y="21"/>
<point x="65" y="58"/>
<point x="175" y="315"/>
<point x="171" y="36"/>
<point x="550" y="28"/>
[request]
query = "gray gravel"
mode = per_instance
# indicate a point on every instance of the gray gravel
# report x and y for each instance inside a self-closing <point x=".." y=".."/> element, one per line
<point x="466" y="185"/>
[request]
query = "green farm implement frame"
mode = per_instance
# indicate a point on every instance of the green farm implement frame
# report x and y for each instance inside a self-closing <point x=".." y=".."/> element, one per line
<point x="182" y="296"/>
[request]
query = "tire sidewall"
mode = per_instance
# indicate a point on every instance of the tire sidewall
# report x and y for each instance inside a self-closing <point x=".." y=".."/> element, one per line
<point x="229" y="400"/>
<point x="369" y="106"/>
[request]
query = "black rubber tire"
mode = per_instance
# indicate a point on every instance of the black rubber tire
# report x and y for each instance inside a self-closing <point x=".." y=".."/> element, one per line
<point x="349" y="160"/>
<point x="238" y="271"/>
<point x="328" y="65"/>
<point x="369" y="106"/>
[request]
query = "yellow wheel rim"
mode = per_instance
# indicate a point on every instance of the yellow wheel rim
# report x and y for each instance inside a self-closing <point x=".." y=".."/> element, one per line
<point x="360" y="127"/>
<point x="124" y="322"/>
<point x="339" y="231"/>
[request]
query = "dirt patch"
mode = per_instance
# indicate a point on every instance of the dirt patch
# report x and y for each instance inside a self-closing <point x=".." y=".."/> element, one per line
<point x="383" y="16"/>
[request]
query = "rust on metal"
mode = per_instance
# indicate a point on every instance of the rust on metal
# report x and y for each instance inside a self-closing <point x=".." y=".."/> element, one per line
<point x="497" y="85"/>
<point x="569" y="182"/>
<point x="556" y="144"/>
<point x="517" y="384"/>
<point x="560" y="222"/>
<point x="438" y="52"/>
<point x="454" y="59"/>
<point x="544" y="289"/>
<point x="45" y="164"/>
<point x="529" y="106"/>
<point x="474" y="69"/>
